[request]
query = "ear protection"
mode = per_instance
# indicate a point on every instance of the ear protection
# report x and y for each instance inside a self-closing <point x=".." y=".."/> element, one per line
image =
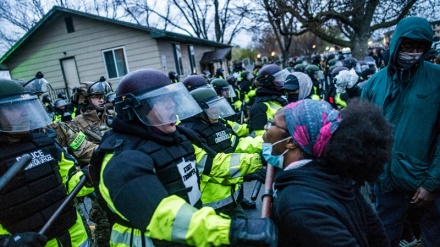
<point x="125" y="105"/>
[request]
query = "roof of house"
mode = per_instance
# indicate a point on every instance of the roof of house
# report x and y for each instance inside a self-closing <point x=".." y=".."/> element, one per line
<point x="155" y="33"/>
<point x="216" y="55"/>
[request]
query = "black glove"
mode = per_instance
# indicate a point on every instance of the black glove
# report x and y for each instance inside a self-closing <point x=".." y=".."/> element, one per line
<point x="26" y="239"/>
<point x="259" y="175"/>
<point x="253" y="232"/>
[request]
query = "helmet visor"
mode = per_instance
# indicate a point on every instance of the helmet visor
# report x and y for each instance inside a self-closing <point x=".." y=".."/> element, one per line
<point x="218" y="108"/>
<point x="166" y="104"/>
<point x="280" y="77"/>
<point x="37" y="86"/>
<point x="22" y="114"/>
<point x="100" y="87"/>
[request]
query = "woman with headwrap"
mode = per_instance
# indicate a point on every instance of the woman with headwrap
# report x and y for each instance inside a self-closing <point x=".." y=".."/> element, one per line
<point x="324" y="155"/>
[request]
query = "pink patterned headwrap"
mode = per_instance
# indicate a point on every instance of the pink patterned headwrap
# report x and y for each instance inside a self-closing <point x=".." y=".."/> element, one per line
<point x="311" y="124"/>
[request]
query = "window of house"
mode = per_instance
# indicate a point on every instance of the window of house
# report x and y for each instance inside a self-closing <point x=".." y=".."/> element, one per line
<point x="192" y="59"/>
<point x="69" y="24"/>
<point x="178" y="59"/>
<point x="115" y="62"/>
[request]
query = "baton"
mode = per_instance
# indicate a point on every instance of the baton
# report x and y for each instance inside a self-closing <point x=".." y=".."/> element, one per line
<point x="63" y="205"/>
<point x="256" y="190"/>
<point x="92" y="134"/>
<point x="268" y="193"/>
<point x="18" y="166"/>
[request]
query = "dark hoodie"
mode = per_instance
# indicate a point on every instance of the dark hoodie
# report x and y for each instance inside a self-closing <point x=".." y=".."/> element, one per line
<point x="313" y="206"/>
<point x="410" y="101"/>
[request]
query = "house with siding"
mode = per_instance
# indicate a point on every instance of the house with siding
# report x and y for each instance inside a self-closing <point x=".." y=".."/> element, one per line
<point x="70" y="47"/>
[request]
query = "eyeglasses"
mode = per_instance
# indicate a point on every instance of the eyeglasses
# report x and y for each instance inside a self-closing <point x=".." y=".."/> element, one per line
<point x="271" y="123"/>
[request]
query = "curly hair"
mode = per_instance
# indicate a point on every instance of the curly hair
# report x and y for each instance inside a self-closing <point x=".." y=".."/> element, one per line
<point x="362" y="144"/>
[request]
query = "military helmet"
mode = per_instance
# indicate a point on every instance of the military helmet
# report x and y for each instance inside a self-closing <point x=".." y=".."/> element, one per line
<point x="141" y="91"/>
<point x="20" y="111"/>
<point x="37" y="85"/>
<point x="214" y="106"/>
<point x="194" y="81"/>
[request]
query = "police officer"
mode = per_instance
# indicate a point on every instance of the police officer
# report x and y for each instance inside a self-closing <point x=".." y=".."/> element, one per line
<point x="212" y="128"/>
<point x="93" y="117"/>
<point x="317" y="77"/>
<point x="33" y="196"/>
<point x="149" y="177"/>
<point x="94" y="121"/>
<point x="268" y="98"/>
<point x="61" y="111"/>
<point x="219" y="73"/>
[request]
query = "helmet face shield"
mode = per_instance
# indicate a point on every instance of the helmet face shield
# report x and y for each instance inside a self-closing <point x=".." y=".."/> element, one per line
<point x="231" y="92"/>
<point x="37" y="86"/>
<point x="218" y="108"/>
<point x="165" y="105"/>
<point x="280" y="77"/>
<point x="22" y="113"/>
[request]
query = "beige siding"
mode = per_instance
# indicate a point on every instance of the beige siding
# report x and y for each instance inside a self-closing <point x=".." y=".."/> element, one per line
<point x="166" y="48"/>
<point x="44" y="51"/>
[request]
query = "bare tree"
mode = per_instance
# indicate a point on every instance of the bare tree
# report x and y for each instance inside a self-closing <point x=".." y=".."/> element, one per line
<point x="18" y="17"/>
<point x="356" y="19"/>
<point x="206" y="19"/>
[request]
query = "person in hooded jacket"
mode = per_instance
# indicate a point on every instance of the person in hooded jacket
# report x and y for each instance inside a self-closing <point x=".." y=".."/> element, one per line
<point x="326" y="156"/>
<point x="407" y="91"/>
<point x="297" y="86"/>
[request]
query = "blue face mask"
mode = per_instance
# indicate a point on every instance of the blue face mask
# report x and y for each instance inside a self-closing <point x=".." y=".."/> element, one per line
<point x="274" y="160"/>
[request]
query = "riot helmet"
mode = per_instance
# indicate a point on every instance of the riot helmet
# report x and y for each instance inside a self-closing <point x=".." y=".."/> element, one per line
<point x="223" y="88"/>
<point x="316" y="59"/>
<point x="314" y="72"/>
<point x="89" y="91"/>
<point x="219" y="73"/>
<point x="299" y="68"/>
<point x="336" y="71"/>
<point x="174" y="77"/>
<point x="59" y="103"/>
<point x="350" y="63"/>
<point x="149" y="96"/>
<point x="46" y="99"/>
<point x="248" y="76"/>
<point x="214" y="107"/>
<point x="20" y="111"/>
<point x="272" y="76"/>
<point x="37" y="85"/>
<point x="62" y="95"/>
<point x="206" y="74"/>
<point x="194" y="81"/>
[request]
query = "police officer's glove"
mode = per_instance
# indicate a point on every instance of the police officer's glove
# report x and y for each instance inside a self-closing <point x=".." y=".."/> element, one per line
<point x="259" y="175"/>
<point x="253" y="232"/>
<point x="26" y="239"/>
<point x="85" y="170"/>
<point x="263" y="160"/>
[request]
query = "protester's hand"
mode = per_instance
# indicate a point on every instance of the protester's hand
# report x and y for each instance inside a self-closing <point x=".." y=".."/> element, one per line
<point x="422" y="197"/>
<point x="26" y="239"/>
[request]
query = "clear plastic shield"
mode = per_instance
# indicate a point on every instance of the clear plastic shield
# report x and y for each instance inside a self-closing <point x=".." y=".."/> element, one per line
<point x="22" y="114"/>
<point x="166" y="104"/>
<point x="219" y="108"/>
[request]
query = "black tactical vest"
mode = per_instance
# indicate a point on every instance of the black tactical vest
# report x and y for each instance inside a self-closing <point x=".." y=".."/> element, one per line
<point x="166" y="161"/>
<point x="33" y="195"/>
<point x="217" y="136"/>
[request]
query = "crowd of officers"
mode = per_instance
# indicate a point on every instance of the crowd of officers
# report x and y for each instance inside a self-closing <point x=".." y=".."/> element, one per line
<point x="167" y="157"/>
